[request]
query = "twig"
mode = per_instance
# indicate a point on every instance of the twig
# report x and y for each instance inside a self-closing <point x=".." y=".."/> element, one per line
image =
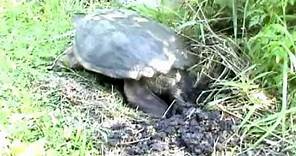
<point x="165" y="113"/>
<point x="133" y="142"/>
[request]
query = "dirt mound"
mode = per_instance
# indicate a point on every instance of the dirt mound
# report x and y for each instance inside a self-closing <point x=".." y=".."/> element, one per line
<point x="197" y="133"/>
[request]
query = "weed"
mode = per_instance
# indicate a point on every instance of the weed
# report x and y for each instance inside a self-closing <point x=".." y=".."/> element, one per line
<point x="30" y="34"/>
<point x="263" y="96"/>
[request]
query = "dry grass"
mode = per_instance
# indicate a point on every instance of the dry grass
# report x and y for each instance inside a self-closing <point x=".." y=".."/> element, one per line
<point x="233" y="91"/>
<point x="83" y="110"/>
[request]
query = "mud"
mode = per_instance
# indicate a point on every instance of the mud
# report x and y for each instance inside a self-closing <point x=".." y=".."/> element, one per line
<point x="195" y="132"/>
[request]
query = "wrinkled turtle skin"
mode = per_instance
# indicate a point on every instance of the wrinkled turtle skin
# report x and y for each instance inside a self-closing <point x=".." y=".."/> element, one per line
<point x="124" y="45"/>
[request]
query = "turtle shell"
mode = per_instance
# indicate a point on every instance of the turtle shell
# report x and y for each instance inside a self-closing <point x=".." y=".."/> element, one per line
<point x="122" y="44"/>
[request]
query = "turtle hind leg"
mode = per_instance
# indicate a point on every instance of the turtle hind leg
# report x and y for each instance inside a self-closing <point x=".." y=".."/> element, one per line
<point x="138" y="95"/>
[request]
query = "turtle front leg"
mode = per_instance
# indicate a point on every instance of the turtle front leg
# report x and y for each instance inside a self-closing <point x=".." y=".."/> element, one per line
<point x="140" y="96"/>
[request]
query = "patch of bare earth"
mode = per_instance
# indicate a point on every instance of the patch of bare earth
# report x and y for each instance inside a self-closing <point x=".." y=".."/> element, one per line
<point x="120" y="130"/>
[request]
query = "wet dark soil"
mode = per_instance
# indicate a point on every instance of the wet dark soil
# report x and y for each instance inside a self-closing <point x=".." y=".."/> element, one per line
<point x="196" y="132"/>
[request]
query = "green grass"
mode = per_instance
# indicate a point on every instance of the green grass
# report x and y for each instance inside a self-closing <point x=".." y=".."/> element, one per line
<point x="33" y="33"/>
<point x="264" y="94"/>
<point x="30" y="39"/>
<point x="35" y="117"/>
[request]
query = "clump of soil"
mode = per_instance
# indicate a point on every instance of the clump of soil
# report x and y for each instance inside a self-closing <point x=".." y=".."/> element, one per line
<point x="191" y="132"/>
<point x="196" y="132"/>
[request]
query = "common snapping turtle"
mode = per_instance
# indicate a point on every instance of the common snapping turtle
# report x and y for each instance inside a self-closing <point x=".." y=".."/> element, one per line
<point x="149" y="57"/>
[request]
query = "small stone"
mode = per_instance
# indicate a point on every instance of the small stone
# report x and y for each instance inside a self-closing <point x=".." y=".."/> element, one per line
<point x="193" y="123"/>
<point x="118" y="126"/>
<point x="213" y="115"/>
<point x="202" y="116"/>
<point x="159" y="136"/>
<point x="159" y="146"/>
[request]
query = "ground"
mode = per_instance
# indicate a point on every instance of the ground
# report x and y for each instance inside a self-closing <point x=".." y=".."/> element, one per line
<point x="46" y="112"/>
<point x="197" y="132"/>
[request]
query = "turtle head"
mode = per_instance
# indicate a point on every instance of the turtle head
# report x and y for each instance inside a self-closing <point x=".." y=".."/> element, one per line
<point x="67" y="60"/>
